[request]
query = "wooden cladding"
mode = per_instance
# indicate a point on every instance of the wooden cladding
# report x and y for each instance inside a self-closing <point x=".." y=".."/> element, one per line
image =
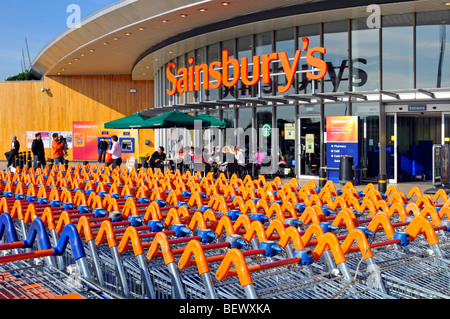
<point x="24" y="107"/>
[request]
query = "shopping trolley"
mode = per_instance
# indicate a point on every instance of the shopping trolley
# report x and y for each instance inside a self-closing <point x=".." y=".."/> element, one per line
<point x="26" y="275"/>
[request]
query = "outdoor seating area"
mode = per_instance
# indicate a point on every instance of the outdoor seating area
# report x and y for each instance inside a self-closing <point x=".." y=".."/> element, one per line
<point x="140" y="234"/>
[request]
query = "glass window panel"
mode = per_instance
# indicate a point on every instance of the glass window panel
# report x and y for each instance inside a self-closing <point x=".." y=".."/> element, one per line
<point x="368" y="114"/>
<point x="263" y="46"/>
<point x="335" y="40"/>
<point x="397" y="51"/>
<point x="264" y="115"/>
<point x="191" y="96"/>
<point x="312" y="32"/>
<point x="432" y="49"/>
<point x="228" y="117"/>
<point x="284" y="42"/>
<point x="365" y="56"/>
<point x="245" y="118"/>
<point x="213" y="55"/>
<point x="244" y="45"/>
<point x="336" y="109"/>
<point x="229" y="93"/>
<point x="286" y="115"/>
<point x="309" y="109"/>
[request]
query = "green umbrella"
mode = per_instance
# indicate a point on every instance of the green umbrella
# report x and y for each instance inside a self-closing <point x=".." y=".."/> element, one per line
<point x="132" y="121"/>
<point x="175" y="119"/>
<point x="215" y="123"/>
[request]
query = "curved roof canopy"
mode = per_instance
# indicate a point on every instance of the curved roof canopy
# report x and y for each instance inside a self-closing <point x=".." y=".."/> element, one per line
<point x="138" y="36"/>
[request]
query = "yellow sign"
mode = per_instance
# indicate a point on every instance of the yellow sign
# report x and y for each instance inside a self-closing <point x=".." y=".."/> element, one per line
<point x="289" y="131"/>
<point x="309" y="143"/>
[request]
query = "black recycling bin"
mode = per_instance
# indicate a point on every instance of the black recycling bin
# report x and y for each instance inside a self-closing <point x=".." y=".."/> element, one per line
<point x="346" y="171"/>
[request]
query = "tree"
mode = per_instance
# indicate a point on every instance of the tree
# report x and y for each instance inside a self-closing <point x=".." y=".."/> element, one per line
<point x="24" y="76"/>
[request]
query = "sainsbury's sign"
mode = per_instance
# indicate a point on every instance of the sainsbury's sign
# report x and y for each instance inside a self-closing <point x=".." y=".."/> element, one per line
<point x="230" y="71"/>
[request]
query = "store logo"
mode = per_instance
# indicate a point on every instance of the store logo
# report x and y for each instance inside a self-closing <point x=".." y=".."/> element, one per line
<point x="230" y="71"/>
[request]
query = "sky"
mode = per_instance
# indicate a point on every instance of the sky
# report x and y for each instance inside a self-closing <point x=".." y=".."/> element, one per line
<point x="40" y="21"/>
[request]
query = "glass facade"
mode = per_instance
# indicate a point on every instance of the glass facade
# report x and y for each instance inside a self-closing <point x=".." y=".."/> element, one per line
<point x="365" y="57"/>
<point x="398" y="52"/>
<point x="360" y="58"/>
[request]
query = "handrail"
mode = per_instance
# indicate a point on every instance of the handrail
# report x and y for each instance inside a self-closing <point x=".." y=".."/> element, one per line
<point x="234" y="257"/>
<point x="275" y="225"/>
<point x="346" y="217"/>
<point x="358" y="236"/>
<point x="106" y="231"/>
<point x="194" y="248"/>
<point x="256" y="228"/>
<point x="312" y="215"/>
<point x="7" y="226"/>
<point x="382" y="219"/>
<point x="291" y="234"/>
<point x="420" y="225"/>
<point x="161" y="241"/>
<point x="329" y="241"/>
<point x="131" y="234"/>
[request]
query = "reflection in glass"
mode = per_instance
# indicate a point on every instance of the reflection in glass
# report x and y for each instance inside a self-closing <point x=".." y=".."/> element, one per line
<point x="284" y="42"/>
<point x="310" y="146"/>
<point x="228" y="117"/>
<point x="263" y="45"/>
<point x="365" y="57"/>
<point x="286" y="128"/>
<point x="244" y="45"/>
<point x="312" y="32"/>
<point x="213" y="55"/>
<point x="397" y="51"/>
<point x="432" y="51"/>
<point x="369" y="118"/>
<point x="229" y="92"/>
<point x="264" y="115"/>
<point x="336" y="42"/>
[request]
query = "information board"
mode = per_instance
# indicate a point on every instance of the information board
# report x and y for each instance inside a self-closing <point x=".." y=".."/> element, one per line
<point x="342" y="140"/>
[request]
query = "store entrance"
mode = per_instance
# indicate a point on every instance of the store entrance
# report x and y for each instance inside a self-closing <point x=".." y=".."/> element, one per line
<point x="308" y="157"/>
<point x="409" y="143"/>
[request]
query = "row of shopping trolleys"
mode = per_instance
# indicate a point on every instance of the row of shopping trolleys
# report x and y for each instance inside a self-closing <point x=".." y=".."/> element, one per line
<point x="316" y="251"/>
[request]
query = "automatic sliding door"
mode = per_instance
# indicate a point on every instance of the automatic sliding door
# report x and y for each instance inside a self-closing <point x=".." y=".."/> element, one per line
<point x="308" y="159"/>
<point x="391" y="148"/>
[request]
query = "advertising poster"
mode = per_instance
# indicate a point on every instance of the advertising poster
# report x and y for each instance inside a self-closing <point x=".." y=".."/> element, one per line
<point x="67" y="135"/>
<point x="342" y="140"/>
<point x="44" y="135"/>
<point x="87" y="135"/>
<point x="309" y="143"/>
<point x="289" y="131"/>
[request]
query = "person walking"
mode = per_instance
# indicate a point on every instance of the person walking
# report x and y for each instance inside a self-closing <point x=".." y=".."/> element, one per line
<point x="15" y="147"/>
<point x="57" y="149"/>
<point x="116" y="152"/>
<point x="37" y="147"/>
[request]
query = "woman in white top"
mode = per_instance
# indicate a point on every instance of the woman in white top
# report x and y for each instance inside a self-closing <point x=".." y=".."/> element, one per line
<point x="240" y="159"/>
<point x="116" y="152"/>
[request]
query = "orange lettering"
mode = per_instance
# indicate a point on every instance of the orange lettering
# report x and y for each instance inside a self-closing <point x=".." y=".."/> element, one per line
<point x="266" y="66"/>
<point x="256" y="70"/>
<point x="182" y="85"/>
<point x="215" y="74"/>
<point x="317" y="63"/>
<point x="226" y="72"/>
<point x="198" y="79"/>
<point x="288" y="70"/>
<point x="172" y="79"/>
